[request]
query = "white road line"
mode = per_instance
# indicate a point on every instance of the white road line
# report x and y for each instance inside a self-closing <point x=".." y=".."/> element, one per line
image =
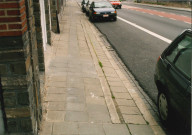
<point x="160" y="16"/>
<point x="147" y="31"/>
<point x="187" y="22"/>
<point x="172" y="19"/>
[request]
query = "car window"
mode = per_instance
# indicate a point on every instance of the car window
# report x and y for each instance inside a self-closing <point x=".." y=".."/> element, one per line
<point x="102" y="5"/>
<point x="183" y="61"/>
<point x="180" y="55"/>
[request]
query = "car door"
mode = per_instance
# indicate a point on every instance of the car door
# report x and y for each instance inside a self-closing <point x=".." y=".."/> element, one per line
<point x="178" y="77"/>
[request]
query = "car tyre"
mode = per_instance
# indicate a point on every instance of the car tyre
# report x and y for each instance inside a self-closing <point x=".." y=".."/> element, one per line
<point x="87" y="13"/>
<point x="91" y="18"/>
<point x="164" y="108"/>
<point x="115" y="19"/>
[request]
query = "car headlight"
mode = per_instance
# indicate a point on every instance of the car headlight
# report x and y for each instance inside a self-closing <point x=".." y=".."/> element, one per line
<point x="96" y="13"/>
<point x="114" y="12"/>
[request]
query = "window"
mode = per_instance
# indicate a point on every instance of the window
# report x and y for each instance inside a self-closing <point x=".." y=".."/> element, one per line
<point x="180" y="55"/>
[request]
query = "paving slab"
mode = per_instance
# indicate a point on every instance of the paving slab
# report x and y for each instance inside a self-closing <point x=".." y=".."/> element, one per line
<point x="116" y="129"/>
<point x="65" y="128"/>
<point x="73" y="116"/>
<point x="140" y="129"/>
<point x="134" y="119"/>
<point x="91" y="129"/>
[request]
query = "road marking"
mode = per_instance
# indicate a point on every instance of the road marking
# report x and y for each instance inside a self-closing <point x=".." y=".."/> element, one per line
<point x="160" y="16"/>
<point x="147" y="31"/>
<point x="172" y="19"/>
<point x="187" y="22"/>
<point x="151" y="14"/>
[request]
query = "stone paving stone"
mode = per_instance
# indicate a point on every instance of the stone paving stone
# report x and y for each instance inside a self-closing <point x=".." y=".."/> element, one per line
<point x="57" y="78"/>
<point x="113" y="79"/>
<point x="72" y="116"/>
<point x="55" y="90"/>
<point x="75" y="106"/>
<point x="55" y="97"/>
<point x="65" y="128"/>
<point x="75" y="91"/>
<point x="158" y="130"/>
<point x="129" y="110"/>
<point x="46" y="128"/>
<point x="75" y="99"/>
<point x="92" y="81"/>
<point x="91" y="129"/>
<point x="118" y="89"/>
<point x="56" y="106"/>
<point x="124" y="95"/>
<point x="140" y="129"/>
<point x="57" y="84"/>
<point x="55" y="116"/>
<point x="95" y="100"/>
<point x="97" y="108"/>
<point x="134" y="119"/>
<point x="110" y="72"/>
<point x="93" y="87"/>
<point x="99" y="117"/>
<point x="116" y="129"/>
<point x="117" y="84"/>
<point x="125" y="102"/>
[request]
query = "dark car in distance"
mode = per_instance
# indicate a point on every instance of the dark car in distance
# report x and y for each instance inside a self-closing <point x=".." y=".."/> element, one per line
<point x="102" y="10"/>
<point x="173" y="80"/>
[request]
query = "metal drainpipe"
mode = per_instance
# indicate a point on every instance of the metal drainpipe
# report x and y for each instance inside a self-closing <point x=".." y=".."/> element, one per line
<point x="2" y="126"/>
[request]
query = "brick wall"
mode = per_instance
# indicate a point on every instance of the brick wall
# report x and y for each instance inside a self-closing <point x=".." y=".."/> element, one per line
<point x="19" y="67"/>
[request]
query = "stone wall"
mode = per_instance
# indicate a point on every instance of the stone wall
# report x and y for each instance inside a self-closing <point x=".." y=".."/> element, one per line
<point x="21" y="58"/>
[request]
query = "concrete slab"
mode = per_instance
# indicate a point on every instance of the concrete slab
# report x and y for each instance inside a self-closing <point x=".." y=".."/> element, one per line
<point x="118" y="89"/>
<point x="125" y="102"/>
<point x="140" y="129"/>
<point x="72" y="116"/>
<point x="91" y="129"/>
<point x="56" y="106"/>
<point x="55" y="97"/>
<point x="134" y="119"/>
<point x="75" y="106"/>
<point x="116" y="129"/>
<point x="129" y="110"/>
<point x="123" y="95"/>
<point x="55" y="116"/>
<point x="65" y="128"/>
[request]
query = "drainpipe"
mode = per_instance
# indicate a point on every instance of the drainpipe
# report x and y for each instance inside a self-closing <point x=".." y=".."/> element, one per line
<point x="2" y="127"/>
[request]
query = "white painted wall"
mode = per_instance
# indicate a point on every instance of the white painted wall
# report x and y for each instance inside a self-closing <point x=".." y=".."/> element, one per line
<point x="43" y="24"/>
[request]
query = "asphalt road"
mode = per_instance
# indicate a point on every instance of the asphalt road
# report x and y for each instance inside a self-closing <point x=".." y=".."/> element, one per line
<point x="138" y="49"/>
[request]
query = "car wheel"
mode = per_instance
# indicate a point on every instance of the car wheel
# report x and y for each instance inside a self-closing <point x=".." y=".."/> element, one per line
<point x="163" y="108"/>
<point x="115" y="18"/>
<point x="119" y="7"/>
<point x="87" y="13"/>
<point x="91" y="18"/>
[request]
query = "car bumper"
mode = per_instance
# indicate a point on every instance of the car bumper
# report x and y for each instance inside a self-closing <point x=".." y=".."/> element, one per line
<point x="102" y="16"/>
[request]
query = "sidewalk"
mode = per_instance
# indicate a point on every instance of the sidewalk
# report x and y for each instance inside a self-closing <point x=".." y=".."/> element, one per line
<point x="87" y="91"/>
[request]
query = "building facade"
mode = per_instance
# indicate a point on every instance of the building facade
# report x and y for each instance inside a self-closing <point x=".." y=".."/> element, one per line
<point x="25" y="31"/>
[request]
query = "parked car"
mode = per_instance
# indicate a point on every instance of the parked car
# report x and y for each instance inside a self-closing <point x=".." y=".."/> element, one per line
<point x="116" y="3"/>
<point x="173" y="80"/>
<point x="83" y="5"/>
<point x="102" y="10"/>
